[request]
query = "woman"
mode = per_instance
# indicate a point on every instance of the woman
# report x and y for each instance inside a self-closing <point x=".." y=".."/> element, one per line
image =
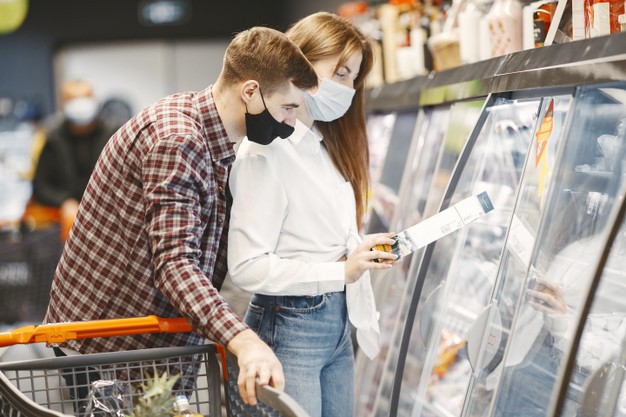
<point x="297" y="208"/>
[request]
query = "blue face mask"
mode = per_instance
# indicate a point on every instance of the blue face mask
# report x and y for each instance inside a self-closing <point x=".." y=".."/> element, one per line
<point x="331" y="101"/>
<point x="262" y="128"/>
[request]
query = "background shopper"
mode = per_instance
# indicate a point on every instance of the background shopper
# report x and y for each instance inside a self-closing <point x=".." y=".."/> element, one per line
<point x="73" y="144"/>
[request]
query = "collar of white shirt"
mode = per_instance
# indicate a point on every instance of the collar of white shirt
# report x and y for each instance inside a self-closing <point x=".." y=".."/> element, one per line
<point x="308" y="138"/>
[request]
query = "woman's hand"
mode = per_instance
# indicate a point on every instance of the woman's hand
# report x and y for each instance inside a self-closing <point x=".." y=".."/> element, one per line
<point x="547" y="297"/>
<point x="363" y="257"/>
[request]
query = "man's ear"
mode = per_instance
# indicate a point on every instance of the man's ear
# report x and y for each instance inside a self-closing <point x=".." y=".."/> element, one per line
<point x="248" y="90"/>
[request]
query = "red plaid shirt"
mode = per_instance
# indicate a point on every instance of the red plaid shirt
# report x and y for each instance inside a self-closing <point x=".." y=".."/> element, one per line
<point x="149" y="236"/>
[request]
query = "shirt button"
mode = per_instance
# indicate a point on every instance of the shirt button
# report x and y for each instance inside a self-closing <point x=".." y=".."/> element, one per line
<point x="220" y="188"/>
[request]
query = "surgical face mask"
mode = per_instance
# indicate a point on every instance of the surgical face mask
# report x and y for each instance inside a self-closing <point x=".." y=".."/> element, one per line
<point x="81" y="111"/>
<point x="262" y="128"/>
<point x="331" y="101"/>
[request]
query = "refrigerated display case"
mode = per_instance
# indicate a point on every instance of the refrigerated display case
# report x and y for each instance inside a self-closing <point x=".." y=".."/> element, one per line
<point x="600" y="340"/>
<point x="460" y="317"/>
<point x="389" y="165"/>
<point x="490" y="332"/>
<point x="585" y="191"/>
<point x="440" y="136"/>
<point x="460" y="272"/>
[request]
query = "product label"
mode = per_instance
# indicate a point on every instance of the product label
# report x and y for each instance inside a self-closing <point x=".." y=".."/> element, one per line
<point x="443" y="223"/>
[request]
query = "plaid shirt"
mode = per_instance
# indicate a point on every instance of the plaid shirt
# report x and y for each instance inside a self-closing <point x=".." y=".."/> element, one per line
<point x="148" y="237"/>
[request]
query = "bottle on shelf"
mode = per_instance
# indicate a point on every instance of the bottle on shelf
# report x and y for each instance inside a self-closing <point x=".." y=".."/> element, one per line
<point x="602" y="17"/>
<point x="183" y="408"/>
<point x="503" y="24"/>
<point x="542" y="18"/>
<point x="469" y="30"/>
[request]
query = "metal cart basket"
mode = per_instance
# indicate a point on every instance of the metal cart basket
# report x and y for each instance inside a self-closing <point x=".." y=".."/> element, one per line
<point x="71" y="385"/>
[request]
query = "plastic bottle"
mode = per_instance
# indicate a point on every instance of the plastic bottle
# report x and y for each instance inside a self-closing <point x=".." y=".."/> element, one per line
<point x="603" y="17"/>
<point x="504" y="25"/>
<point x="542" y="18"/>
<point x="182" y="407"/>
<point x="469" y="37"/>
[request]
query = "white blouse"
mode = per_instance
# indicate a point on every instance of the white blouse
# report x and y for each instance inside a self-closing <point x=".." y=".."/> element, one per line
<point x="293" y="217"/>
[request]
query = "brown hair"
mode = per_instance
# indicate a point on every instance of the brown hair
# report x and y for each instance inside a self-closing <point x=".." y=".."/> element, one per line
<point x="269" y="57"/>
<point x="322" y="35"/>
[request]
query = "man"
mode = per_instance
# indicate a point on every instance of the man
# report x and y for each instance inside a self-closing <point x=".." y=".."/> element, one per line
<point x="150" y="234"/>
<point x="73" y="145"/>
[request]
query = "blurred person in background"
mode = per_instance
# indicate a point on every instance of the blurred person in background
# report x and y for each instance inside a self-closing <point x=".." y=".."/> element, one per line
<point x="150" y="234"/>
<point x="72" y="147"/>
<point x="298" y="204"/>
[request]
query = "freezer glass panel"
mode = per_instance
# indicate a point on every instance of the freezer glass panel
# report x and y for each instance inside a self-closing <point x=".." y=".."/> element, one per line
<point x="384" y="194"/>
<point x="379" y="128"/>
<point x="434" y="127"/>
<point x="596" y="384"/>
<point x="443" y="140"/>
<point x="489" y="341"/>
<point x="581" y="199"/>
<point x="460" y="274"/>
<point x="368" y="371"/>
<point x="602" y="347"/>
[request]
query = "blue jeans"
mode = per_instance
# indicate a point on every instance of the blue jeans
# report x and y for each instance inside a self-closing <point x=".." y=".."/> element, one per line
<point x="311" y="338"/>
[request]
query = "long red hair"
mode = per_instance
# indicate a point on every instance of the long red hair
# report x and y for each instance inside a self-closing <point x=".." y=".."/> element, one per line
<point x="322" y="35"/>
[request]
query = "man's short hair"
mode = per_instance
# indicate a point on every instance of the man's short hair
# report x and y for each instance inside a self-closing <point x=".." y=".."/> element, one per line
<point x="269" y="57"/>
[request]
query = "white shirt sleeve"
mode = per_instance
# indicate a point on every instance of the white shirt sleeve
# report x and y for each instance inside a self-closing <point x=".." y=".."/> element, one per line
<point x="260" y="205"/>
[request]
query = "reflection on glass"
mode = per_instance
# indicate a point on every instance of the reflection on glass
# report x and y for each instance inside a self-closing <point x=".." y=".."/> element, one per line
<point x="439" y="145"/>
<point x="518" y="250"/>
<point x="462" y="270"/>
<point x="596" y="385"/>
<point x="587" y="182"/>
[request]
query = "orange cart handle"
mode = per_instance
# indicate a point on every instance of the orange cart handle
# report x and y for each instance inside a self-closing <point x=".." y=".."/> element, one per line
<point x="61" y="332"/>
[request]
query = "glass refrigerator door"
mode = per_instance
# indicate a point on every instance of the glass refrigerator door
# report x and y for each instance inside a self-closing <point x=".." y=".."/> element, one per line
<point x="384" y="193"/>
<point x="432" y="131"/>
<point x="439" y="145"/>
<point x="489" y="334"/>
<point x="601" y="347"/>
<point x="460" y="272"/>
<point x="581" y="200"/>
<point x="379" y="128"/>
<point x="368" y="371"/>
<point x="580" y="263"/>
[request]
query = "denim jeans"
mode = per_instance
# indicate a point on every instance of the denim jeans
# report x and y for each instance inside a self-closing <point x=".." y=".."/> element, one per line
<point x="311" y="338"/>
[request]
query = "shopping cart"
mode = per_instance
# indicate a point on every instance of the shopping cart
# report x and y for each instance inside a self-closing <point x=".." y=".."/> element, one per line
<point x="71" y="385"/>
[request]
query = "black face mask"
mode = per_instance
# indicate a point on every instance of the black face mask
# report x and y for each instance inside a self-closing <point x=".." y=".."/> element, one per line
<point x="262" y="128"/>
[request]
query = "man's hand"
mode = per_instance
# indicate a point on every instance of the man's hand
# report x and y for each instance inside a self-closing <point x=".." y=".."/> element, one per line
<point x="255" y="359"/>
<point x="363" y="257"/>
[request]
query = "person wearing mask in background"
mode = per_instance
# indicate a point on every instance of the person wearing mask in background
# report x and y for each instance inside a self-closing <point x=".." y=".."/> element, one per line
<point x="150" y="233"/>
<point x="73" y="145"/>
<point x="297" y="207"/>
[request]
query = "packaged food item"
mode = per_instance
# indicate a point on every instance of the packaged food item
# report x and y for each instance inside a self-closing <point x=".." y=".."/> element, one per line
<point x="183" y="408"/>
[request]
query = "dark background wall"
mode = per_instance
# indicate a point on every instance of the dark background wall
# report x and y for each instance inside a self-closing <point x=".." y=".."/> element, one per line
<point x="26" y="55"/>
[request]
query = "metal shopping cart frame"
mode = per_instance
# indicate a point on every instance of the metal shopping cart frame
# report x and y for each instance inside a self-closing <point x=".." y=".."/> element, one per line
<point x="36" y="387"/>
